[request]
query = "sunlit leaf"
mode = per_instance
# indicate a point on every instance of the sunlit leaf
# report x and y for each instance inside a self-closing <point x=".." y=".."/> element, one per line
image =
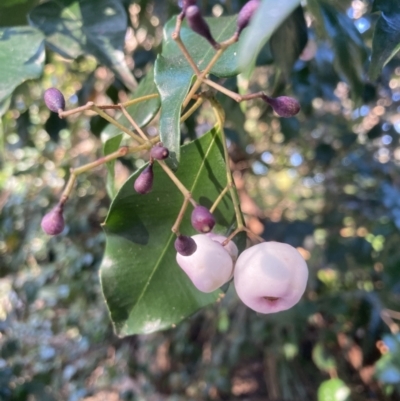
<point x="21" y="57"/>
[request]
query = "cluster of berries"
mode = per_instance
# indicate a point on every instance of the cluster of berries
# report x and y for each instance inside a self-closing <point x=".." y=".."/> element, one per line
<point x="269" y="277"/>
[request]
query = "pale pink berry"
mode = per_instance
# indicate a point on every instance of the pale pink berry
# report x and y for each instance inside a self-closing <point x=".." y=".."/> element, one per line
<point x="209" y="267"/>
<point x="284" y="106"/>
<point x="144" y="183"/>
<point x="202" y="219"/>
<point x="53" y="222"/>
<point x="54" y="100"/>
<point x="270" y="277"/>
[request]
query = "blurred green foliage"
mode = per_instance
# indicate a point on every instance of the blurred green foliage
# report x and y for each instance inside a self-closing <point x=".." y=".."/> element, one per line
<point x="325" y="182"/>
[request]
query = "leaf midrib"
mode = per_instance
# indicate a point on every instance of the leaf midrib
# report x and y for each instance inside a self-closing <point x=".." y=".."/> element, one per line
<point x="158" y="263"/>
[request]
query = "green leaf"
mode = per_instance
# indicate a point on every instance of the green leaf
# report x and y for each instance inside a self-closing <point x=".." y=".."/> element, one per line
<point x="350" y="51"/>
<point x="96" y="27"/>
<point x="386" y="40"/>
<point x="289" y="40"/>
<point x="333" y="390"/>
<point x="266" y="20"/>
<point x="142" y="112"/>
<point x="21" y="57"/>
<point x="144" y="288"/>
<point x="173" y="74"/>
<point x="13" y="12"/>
<point x="111" y="145"/>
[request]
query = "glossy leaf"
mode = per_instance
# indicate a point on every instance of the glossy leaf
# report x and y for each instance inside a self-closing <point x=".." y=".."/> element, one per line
<point x="21" y="57"/>
<point x="264" y="23"/>
<point x="333" y="390"/>
<point x="173" y="74"/>
<point x="386" y="40"/>
<point x="76" y="28"/>
<point x="142" y="112"/>
<point x="144" y="288"/>
<point x="111" y="145"/>
<point x="289" y="40"/>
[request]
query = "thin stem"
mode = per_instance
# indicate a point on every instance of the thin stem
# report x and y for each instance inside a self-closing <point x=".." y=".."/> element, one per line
<point x="67" y="113"/>
<point x="237" y="231"/>
<point x="219" y="199"/>
<point x="249" y="232"/>
<point x="200" y="78"/>
<point x="133" y="122"/>
<point x="175" y="227"/>
<point x="220" y="115"/>
<point x="140" y="99"/>
<point x="113" y="121"/>
<point x="195" y="106"/>
<point x="235" y="96"/>
<point x="186" y="193"/>
<point x="187" y="55"/>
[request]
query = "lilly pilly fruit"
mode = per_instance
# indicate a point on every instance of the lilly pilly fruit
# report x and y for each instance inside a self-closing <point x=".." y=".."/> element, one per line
<point x="284" y="106"/>
<point x="245" y="15"/>
<point x="185" y="245"/>
<point x="53" y="222"/>
<point x="144" y="183"/>
<point x="54" y="100"/>
<point x="202" y="219"/>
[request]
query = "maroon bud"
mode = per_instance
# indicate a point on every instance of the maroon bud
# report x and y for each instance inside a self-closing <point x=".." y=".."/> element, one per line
<point x="199" y="25"/>
<point x="53" y="222"/>
<point x="202" y="219"/>
<point x="186" y="4"/>
<point x="159" y="152"/>
<point x="185" y="245"/>
<point x="284" y="106"/>
<point x="54" y="100"/>
<point x="144" y="183"/>
<point x="245" y="15"/>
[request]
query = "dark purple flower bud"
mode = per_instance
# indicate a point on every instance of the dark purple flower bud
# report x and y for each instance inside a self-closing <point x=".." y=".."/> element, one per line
<point x="53" y="222"/>
<point x="199" y="25"/>
<point x="202" y="219"/>
<point x="245" y="15"/>
<point x="159" y="152"/>
<point x="284" y="106"/>
<point x="186" y="4"/>
<point x="185" y="245"/>
<point x="54" y="100"/>
<point x="144" y="183"/>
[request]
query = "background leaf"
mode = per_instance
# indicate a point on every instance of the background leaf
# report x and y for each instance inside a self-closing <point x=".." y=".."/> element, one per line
<point x="289" y="40"/>
<point x="21" y="57"/>
<point x="145" y="289"/>
<point x="386" y="40"/>
<point x="75" y="28"/>
<point x="266" y="20"/>
<point x="173" y="74"/>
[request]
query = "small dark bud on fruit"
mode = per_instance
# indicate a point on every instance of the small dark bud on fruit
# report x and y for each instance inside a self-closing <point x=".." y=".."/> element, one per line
<point x="159" y="152"/>
<point x="245" y="15"/>
<point x="199" y="25"/>
<point x="53" y="222"/>
<point x="144" y="183"/>
<point x="284" y="106"/>
<point x="202" y="219"/>
<point x="185" y="245"/>
<point x="54" y="100"/>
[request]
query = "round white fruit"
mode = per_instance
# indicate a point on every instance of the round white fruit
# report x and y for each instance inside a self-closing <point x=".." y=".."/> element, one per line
<point x="210" y="267"/>
<point x="270" y="277"/>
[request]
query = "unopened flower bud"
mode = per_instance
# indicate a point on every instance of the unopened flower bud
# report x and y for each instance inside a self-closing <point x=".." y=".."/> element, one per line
<point x="144" y="183"/>
<point x="199" y="25"/>
<point x="186" y="4"/>
<point x="53" y="222"/>
<point x="185" y="245"/>
<point x="245" y="15"/>
<point x="54" y="100"/>
<point x="202" y="219"/>
<point x="159" y="152"/>
<point x="284" y="106"/>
